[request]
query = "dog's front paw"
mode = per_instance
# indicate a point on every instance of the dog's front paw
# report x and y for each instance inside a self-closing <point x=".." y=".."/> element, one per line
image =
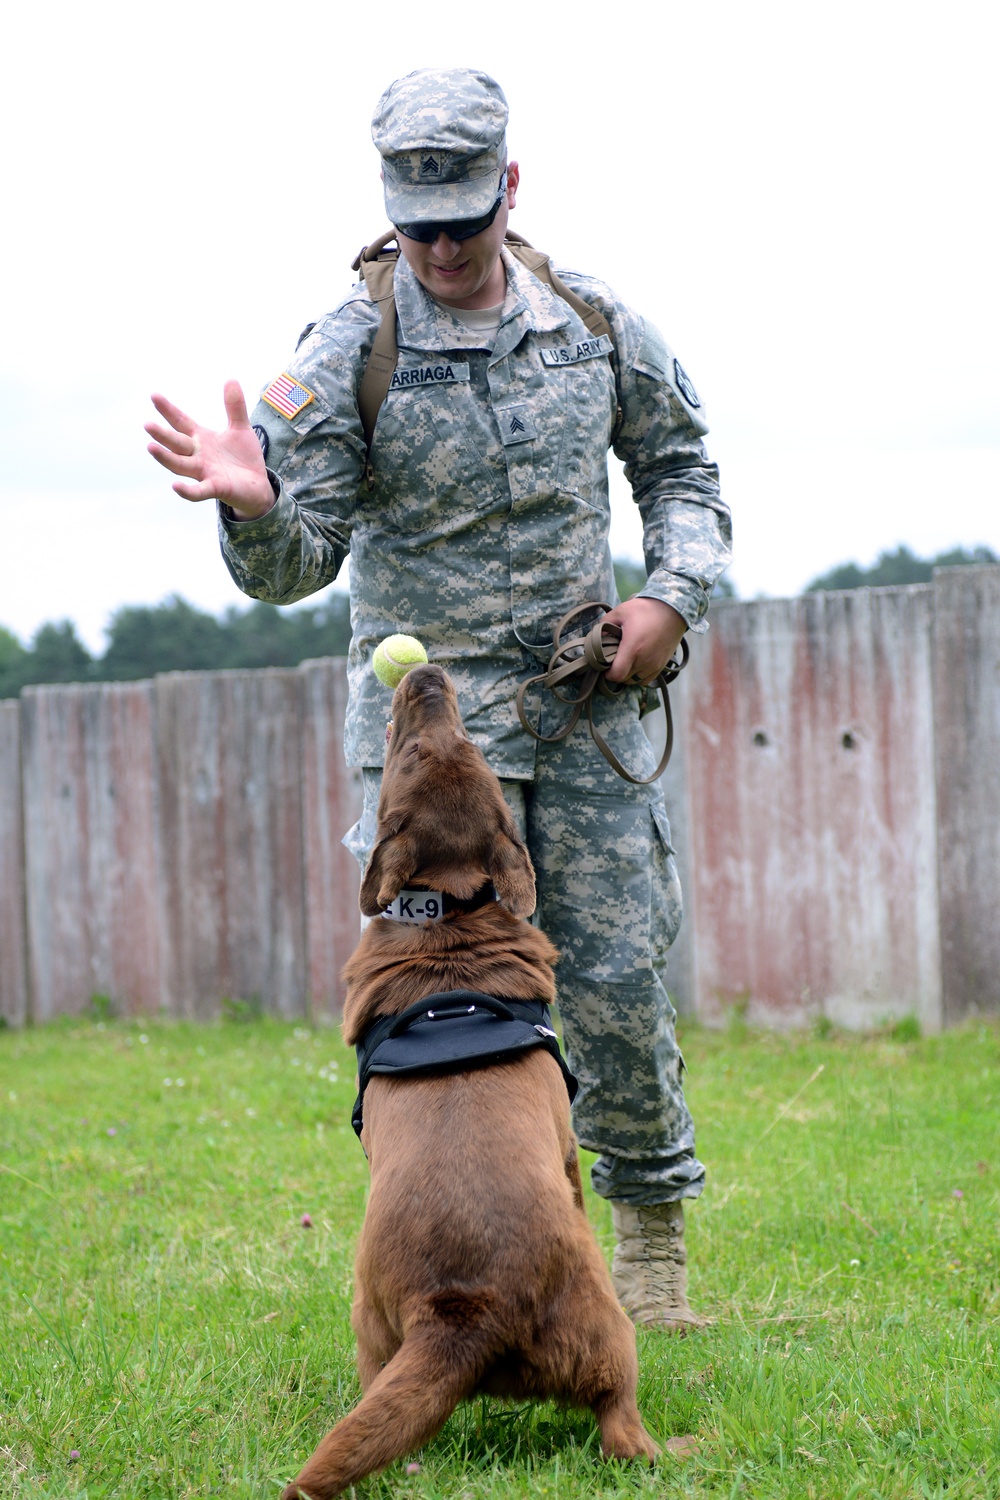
<point x="318" y="1485"/>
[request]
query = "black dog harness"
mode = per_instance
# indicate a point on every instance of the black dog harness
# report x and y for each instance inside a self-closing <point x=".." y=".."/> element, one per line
<point x="451" y="1032"/>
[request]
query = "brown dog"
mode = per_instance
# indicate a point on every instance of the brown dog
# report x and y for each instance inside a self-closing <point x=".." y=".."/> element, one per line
<point x="476" y="1269"/>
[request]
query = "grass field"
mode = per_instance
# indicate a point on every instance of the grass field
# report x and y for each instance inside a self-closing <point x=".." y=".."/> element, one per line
<point x="170" y="1327"/>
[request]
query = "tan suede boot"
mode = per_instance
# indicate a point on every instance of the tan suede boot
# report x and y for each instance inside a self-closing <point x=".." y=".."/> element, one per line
<point x="649" y="1269"/>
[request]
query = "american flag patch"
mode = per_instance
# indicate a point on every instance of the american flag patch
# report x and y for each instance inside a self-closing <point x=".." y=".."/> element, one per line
<point x="287" y="396"/>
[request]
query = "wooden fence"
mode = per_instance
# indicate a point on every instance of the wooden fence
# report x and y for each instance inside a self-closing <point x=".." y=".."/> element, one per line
<point x="834" y="795"/>
<point x="836" y="802"/>
<point x="181" y="844"/>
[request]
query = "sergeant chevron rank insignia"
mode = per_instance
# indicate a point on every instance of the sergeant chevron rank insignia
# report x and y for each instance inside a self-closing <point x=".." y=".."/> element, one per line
<point x="442" y="372"/>
<point x="516" y="423"/>
<point x="571" y="354"/>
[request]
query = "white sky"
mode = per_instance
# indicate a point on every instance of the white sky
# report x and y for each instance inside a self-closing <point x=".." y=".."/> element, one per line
<point x="803" y="198"/>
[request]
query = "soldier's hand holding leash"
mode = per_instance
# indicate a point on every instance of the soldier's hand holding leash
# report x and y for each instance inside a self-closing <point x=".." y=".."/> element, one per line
<point x="227" y="466"/>
<point x="651" y="632"/>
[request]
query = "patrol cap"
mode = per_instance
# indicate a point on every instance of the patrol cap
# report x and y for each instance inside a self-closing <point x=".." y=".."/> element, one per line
<point x="441" y="135"/>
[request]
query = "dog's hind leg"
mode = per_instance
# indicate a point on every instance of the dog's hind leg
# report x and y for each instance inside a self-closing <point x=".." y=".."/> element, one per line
<point x="606" y="1371"/>
<point x="621" y="1429"/>
<point x="377" y="1343"/>
<point x="408" y="1402"/>
<point x="615" y="1374"/>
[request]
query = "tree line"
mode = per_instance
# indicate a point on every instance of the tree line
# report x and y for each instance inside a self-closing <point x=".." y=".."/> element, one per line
<point x="174" y="636"/>
<point x="898" y="567"/>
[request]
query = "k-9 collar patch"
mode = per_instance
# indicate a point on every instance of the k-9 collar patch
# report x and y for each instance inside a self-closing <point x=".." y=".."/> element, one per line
<point x="416" y="908"/>
<point x="682" y="380"/>
<point x="572" y="354"/>
<point x="430" y="372"/>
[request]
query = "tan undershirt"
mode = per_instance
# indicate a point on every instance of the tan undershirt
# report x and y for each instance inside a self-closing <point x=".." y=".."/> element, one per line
<point x="477" y="326"/>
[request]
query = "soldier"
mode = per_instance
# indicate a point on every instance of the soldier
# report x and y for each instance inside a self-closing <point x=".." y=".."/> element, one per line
<point x="479" y="517"/>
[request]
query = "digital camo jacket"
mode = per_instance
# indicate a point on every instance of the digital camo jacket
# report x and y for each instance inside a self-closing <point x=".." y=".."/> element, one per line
<point x="489" y="514"/>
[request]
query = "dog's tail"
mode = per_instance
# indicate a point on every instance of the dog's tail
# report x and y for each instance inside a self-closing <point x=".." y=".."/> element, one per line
<point x="440" y="1362"/>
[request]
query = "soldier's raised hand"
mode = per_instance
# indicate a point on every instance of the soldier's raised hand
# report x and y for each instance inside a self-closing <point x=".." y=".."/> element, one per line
<point x="226" y="466"/>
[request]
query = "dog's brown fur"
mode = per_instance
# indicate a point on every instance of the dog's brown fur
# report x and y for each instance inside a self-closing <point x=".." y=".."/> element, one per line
<point x="476" y="1269"/>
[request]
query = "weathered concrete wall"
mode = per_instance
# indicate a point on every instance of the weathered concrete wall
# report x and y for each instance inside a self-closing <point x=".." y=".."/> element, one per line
<point x="13" y="942"/>
<point x="809" y="743"/>
<point x="229" y="763"/>
<point x="331" y="803"/>
<point x="181" y="844"/>
<point x="834" y="800"/>
<point x="90" y="847"/>
<point x="967" y="732"/>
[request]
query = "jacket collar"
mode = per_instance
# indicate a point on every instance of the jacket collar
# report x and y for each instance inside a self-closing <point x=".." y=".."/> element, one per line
<point x="528" y="306"/>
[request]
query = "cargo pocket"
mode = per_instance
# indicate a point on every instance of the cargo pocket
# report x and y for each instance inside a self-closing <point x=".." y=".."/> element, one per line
<point x="668" y="905"/>
<point x="360" y="838"/>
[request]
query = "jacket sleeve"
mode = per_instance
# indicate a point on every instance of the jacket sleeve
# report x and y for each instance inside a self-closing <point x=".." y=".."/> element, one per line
<point x="687" y="531"/>
<point x="315" y="458"/>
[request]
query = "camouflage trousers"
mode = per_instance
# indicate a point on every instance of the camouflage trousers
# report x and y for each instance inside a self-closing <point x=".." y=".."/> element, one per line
<point x="609" y="898"/>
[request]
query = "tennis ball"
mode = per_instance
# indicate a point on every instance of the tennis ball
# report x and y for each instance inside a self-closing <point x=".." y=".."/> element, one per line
<point x="395" y="656"/>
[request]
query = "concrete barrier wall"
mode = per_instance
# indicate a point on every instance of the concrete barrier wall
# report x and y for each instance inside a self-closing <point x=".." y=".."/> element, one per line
<point x="180" y="844"/>
<point x="13" y="942"/>
<point x="331" y="802"/>
<point x="229" y="760"/>
<point x="810" y="773"/>
<point x="90" y="847"/>
<point x="834" y="799"/>
<point x="967" y="738"/>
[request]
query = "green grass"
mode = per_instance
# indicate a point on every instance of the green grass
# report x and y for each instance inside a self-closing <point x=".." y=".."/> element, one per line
<point x="164" y="1312"/>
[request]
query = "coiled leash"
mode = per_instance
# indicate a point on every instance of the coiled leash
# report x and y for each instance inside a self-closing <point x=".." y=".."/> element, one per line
<point x="578" y="665"/>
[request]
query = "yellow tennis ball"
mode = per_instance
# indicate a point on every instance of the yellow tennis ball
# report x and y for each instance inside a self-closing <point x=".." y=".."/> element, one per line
<point x="395" y="656"/>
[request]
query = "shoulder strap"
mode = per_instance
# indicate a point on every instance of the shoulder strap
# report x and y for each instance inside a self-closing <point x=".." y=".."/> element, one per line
<point x="377" y="265"/>
<point x="539" y="265"/>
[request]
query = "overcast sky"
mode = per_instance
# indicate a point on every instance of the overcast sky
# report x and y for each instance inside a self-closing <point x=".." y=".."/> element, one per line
<point x="802" y="198"/>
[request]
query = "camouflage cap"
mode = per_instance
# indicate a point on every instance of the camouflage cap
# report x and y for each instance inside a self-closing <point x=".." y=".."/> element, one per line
<point x="440" y="133"/>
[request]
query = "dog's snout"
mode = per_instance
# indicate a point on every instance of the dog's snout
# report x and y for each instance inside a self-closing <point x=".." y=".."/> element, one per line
<point x="427" y="679"/>
<point x="423" y="684"/>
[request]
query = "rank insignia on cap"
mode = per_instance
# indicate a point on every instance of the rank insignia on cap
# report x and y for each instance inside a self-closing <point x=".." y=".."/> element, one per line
<point x="287" y="396"/>
<point x="682" y="380"/>
<point x="429" y="166"/>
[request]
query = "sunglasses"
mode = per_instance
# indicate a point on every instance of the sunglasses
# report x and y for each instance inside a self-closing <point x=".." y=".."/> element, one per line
<point x="455" y="229"/>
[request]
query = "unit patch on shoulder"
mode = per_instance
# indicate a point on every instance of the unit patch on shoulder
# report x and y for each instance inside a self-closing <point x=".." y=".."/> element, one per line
<point x="261" y="435"/>
<point x="438" y="372"/>
<point x="287" y="396"/>
<point x="682" y="381"/>
<point x="571" y="354"/>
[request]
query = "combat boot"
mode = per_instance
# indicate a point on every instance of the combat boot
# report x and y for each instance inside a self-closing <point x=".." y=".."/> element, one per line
<point x="649" y="1269"/>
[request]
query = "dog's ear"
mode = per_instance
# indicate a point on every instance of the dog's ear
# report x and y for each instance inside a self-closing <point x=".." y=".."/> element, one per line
<point x="511" y="869"/>
<point x="389" y="867"/>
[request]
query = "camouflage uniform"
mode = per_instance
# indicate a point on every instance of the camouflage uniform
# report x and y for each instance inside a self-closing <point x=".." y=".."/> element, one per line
<point x="488" y="519"/>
